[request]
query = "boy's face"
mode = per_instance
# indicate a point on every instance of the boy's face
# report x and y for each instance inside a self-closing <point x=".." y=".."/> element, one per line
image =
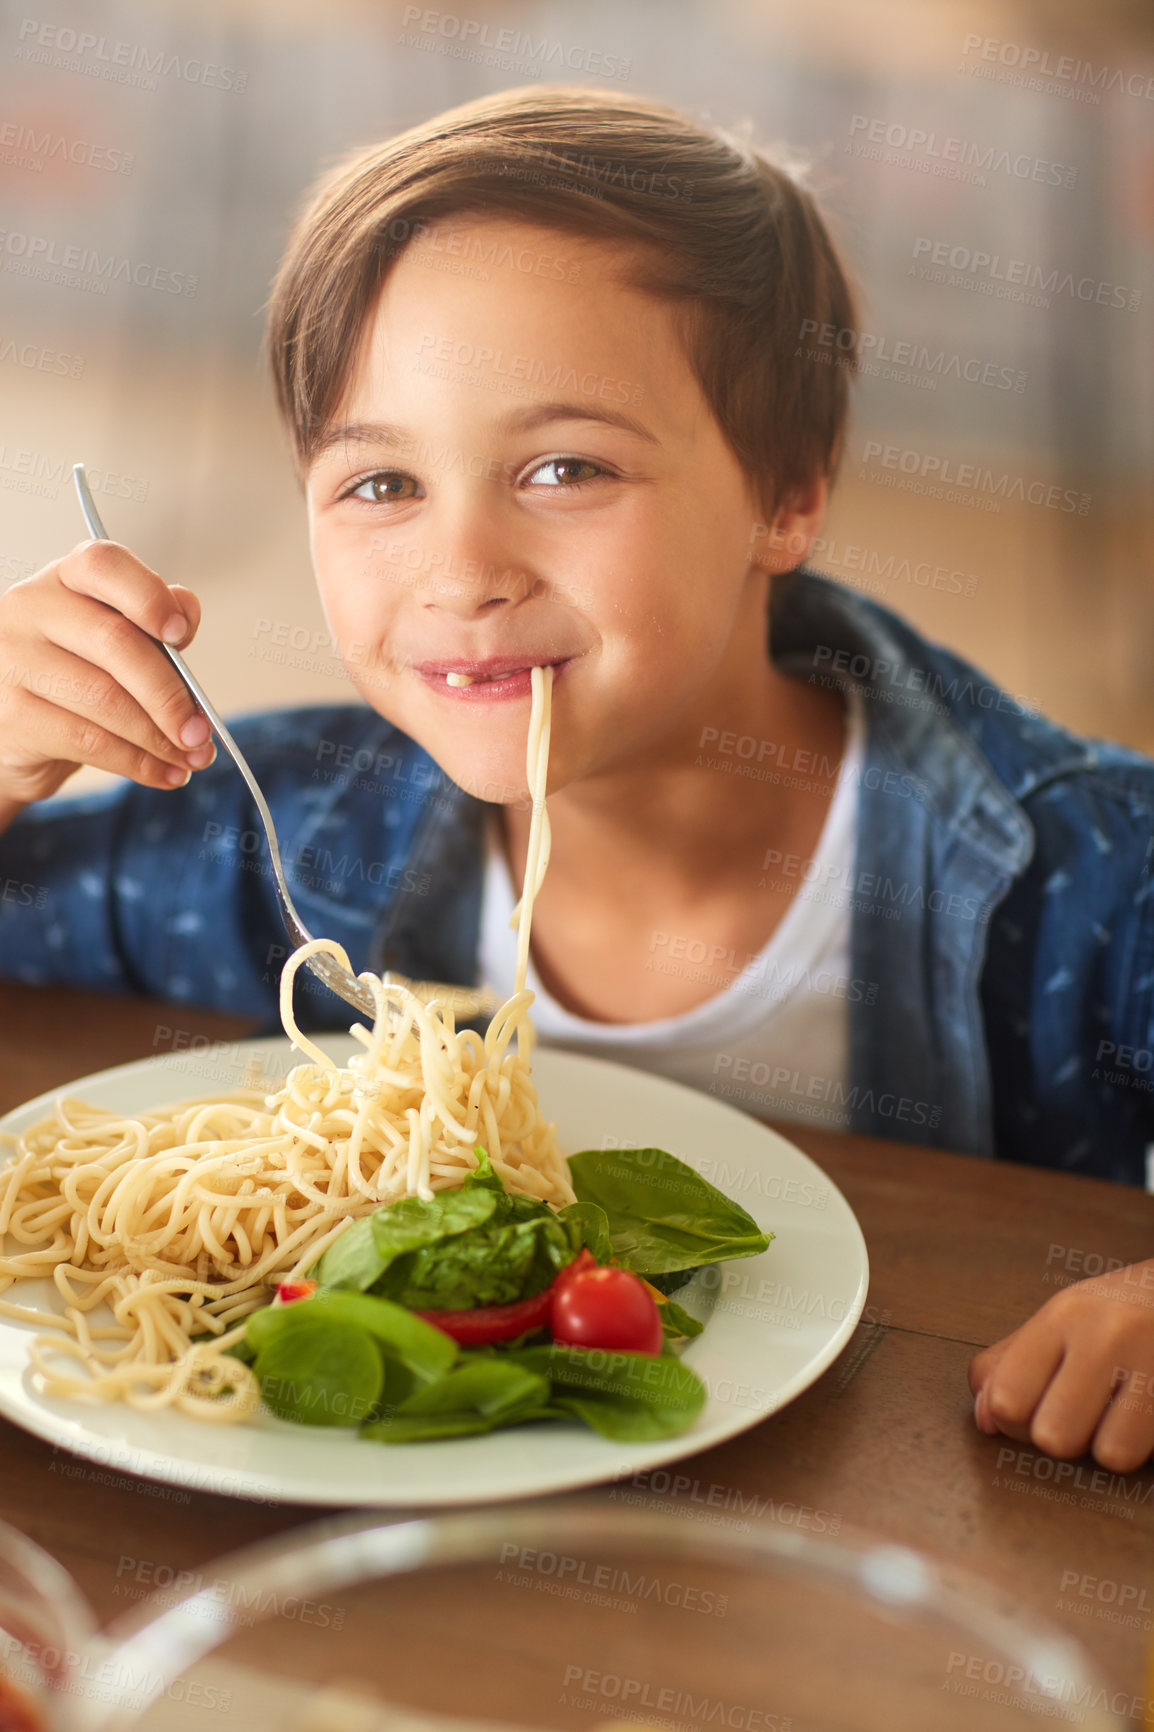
<point x="529" y="473"/>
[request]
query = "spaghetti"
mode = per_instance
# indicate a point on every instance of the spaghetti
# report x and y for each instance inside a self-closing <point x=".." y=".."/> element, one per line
<point x="177" y="1222"/>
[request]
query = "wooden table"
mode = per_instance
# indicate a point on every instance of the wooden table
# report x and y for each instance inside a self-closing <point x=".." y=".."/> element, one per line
<point x="961" y="1252"/>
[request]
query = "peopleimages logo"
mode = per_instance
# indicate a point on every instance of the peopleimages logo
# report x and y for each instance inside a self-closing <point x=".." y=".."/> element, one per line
<point x="903" y="359"/>
<point x="1016" y="279"/>
<point x="25" y="147"/>
<point x="83" y="267"/>
<point x="464" y="37"/>
<point x="1011" y="1684"/>
<point x="906" y="146"/>
<point x="971" y="478"/>
<point x="1029" y="66"/>
<point x="40" y="473"/>
<point x="558" y="1570"/>
<point x="70" y="50"/>
<point x="660" y="1700"/>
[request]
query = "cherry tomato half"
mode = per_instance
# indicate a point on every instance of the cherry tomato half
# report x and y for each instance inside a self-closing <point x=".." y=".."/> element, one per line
<point x="609" y="1308"/>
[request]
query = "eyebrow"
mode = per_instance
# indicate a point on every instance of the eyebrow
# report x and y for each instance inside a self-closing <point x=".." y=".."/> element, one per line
<point x="516" y="421"/>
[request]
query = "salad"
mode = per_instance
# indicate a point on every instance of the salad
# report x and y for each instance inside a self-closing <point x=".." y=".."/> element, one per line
<point x="483" y="1308"/>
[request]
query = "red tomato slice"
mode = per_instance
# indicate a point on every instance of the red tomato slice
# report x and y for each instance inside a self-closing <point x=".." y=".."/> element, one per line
<point x="610" y="1308"/>
<point x="484" y="1324"/>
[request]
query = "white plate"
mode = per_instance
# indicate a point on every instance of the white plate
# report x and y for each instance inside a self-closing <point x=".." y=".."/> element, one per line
<point x="773" y="1323"/>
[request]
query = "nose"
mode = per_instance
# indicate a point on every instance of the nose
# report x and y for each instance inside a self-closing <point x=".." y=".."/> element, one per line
<point x="470" y="562"/>
<point x="469" y="586"/>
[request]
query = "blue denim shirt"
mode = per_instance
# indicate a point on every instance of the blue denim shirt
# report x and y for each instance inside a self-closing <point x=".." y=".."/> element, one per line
<point x="1002" y="891"/>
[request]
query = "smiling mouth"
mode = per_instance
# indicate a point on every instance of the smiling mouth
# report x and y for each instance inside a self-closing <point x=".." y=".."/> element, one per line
<point x="454" y="678"/>
<point x="491" y="672"/>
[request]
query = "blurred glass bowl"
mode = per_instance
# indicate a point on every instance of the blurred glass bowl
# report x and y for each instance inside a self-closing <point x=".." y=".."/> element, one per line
<point x="574" y="1615"/>
<point x="45" y="1631"/>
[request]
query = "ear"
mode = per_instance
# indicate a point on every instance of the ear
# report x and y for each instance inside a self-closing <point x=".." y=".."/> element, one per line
<point x="784" y="543"/>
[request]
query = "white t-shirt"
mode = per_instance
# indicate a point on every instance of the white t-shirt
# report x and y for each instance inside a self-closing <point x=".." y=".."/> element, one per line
<point x="774" y="1039"/>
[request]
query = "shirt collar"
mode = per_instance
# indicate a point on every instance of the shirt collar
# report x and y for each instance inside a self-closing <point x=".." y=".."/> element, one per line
<point x="973" y="750"/>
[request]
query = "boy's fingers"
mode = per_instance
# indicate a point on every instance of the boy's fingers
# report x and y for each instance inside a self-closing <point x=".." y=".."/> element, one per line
<point x="138" y="691"/>
<point x="1073" y="1404"/>
<point x="87" y="694"/>
<point x="1124" y="1441"/>
<point x="1012" y="1392"/>
<point x="984" y="1363"/>
<point x="108" y="572"/>
<point x="191" y="606"/>
<point x="1067" y="1388"/>
<point x="62" y="738"/>
<point x="981" y="1368"/>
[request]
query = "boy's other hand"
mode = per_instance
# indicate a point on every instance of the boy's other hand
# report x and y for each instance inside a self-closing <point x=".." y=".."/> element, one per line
<point x="83" y="680"/>
<point x="1079" y="1376"/>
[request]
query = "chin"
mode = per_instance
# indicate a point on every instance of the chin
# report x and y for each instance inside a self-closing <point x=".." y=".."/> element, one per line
<point x="492" y="779"/>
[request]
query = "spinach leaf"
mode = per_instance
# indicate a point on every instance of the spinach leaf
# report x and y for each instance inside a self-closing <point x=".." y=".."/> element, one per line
<point x="494" y="1264"/>
<point x="425" y="1351"/>
<point x="511" y="1252"/>
<point x="411" y="1224"/>
<point x="669" y="1280"/>
<point x="429" y="1427"/>
<point x="474" y="1245"/>
<point x="400" y="1383"/>
<point x="662" y="1215"/>
<point x="488" y="1385"/>
<point x="631" y="1397"/>
<point x="588" y="1227"/>
<point x="350" y="1261"/>
<point x="369" y="1247"/>
<point x="484" y="1176"/>
<point x="478" y="1395"/>
<point x="320" y="1373"/>
<point x="676" y="1323"/>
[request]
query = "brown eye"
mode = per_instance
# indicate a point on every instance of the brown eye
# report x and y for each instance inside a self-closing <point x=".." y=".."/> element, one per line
<point x="567" y="471"/>
<point x="386" y="488"/>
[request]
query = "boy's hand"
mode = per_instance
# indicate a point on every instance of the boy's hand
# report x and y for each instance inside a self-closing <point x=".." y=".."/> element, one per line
<point x="82" y="680"/>
<point x="1079" y="1376"/>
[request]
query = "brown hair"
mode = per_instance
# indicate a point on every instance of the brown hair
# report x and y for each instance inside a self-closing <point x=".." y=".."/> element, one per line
<point x="735" y="243"/>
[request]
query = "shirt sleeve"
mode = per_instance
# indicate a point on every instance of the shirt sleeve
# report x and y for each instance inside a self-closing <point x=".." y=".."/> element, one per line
<point x="123" y="891"/>
<point x="1138" y="1061"/>
<point x="171" y="894"/>
<point x="56" y="893"/>
<point x="1068" y="989"/>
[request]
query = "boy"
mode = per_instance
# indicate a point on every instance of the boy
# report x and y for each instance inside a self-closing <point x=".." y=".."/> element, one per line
<point x="539" y="362"/>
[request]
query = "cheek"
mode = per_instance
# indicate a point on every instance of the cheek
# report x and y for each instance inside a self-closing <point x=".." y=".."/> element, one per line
<point x="682" y="615"/>
<point x="358" y="597"/>
<point x="329" y="563"/>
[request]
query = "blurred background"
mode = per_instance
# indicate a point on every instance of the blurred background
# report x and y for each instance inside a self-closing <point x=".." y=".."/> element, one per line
<point x="988" y="169"/>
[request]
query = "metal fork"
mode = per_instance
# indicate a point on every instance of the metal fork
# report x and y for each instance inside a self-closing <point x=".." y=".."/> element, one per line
<point x="465" y="1001"/>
